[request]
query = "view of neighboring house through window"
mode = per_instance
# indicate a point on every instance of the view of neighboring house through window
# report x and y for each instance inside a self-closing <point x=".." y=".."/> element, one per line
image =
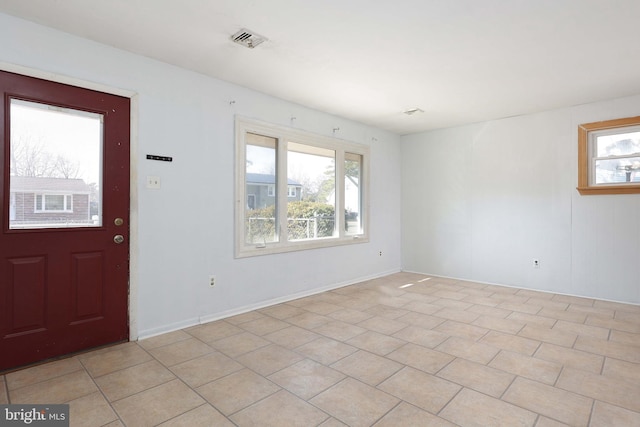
<point x="297" y="190"/>
<point x="55" y="166"/>
<point x="260" y="181"/>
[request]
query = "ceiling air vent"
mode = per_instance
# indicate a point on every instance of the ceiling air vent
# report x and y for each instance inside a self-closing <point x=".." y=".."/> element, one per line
<point x="248" y="38"/>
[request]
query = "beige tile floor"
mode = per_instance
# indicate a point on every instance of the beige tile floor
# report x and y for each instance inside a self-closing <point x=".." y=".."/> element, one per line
<point x="402" y="350"/>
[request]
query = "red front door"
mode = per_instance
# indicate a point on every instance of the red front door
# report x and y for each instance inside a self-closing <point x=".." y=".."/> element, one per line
<point x="64" y="243"/>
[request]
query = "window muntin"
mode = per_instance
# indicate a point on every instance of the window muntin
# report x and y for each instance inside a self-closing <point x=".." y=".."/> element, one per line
<point x="609" y="157"/>
<point x="304" y="176"/>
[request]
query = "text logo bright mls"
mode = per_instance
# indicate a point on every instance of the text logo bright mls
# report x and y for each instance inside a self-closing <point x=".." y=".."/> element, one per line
<point x="34" y="415"/>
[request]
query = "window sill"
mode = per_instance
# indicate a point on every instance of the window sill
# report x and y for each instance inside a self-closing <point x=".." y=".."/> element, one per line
<point x="609" y="189"/>
<point x="278" y="248"/>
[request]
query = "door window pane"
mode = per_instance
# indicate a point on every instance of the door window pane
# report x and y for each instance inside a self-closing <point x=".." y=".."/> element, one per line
<point x="55" y="161"/>
<point x="261" y="226"/>
<point x="311" y="201"/>
<point x="353" y="193"/>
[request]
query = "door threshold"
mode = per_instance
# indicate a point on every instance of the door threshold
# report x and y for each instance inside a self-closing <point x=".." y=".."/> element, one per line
<point x="62" y="357"/>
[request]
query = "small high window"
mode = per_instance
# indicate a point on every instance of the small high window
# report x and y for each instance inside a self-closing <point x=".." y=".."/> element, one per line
<point x="609" y="157"/>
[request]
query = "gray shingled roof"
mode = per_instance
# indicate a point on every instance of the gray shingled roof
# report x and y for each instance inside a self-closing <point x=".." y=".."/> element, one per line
<point x="30" y="184"/>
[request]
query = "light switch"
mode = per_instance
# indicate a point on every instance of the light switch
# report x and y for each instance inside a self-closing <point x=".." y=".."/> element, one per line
<point x="153" y="182"/>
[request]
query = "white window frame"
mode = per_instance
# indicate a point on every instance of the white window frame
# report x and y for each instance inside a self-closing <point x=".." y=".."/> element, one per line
<point x="283" y="135"/>
<point x="291" y="191"/>
<point x="67" y="203"/>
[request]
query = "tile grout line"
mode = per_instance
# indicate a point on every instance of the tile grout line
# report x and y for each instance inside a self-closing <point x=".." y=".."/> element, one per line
<point x="102" y="394"/>
<point x="205" y="403"/>
<point x="555" y="383"/>
<point x="449" y="402"/>
<point x="593" y="408"/>
<point x="501" y="398"/>
<point x="38" y="365"/>
<point x="155" y="386"/>
<point x="537" y="420"/>
<point x="538" y="414"/>
<point x="6" y="389"/>
<point x="401" y="401"/>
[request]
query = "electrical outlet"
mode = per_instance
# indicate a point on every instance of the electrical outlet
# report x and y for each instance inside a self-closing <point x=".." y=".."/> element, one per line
<point x="212" y="281"/>
<point x="380" y="253"/>
<point x="536" y="263"/>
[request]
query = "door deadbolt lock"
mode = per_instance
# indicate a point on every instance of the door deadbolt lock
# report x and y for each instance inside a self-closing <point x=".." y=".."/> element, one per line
<point x="118" y="221"/>
<point x="118" y="238"/>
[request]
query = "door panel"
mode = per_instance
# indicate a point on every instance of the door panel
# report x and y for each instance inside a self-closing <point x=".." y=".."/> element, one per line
<point x="64" y="153"/>
<point x="26" y="290"/>
<point x="87" y="286"/>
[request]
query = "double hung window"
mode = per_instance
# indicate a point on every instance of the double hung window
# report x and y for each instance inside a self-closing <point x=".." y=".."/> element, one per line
<point x="296" y="190"/>
<point x="609" y="157"/>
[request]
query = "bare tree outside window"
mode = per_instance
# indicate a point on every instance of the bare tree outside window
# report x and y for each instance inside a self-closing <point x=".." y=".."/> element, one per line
<point x="29" y="157"/>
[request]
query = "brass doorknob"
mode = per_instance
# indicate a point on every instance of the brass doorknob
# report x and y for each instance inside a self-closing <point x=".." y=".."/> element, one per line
<point x="118" y="238"/>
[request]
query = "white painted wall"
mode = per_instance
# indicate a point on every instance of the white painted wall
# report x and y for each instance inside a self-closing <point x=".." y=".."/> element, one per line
<point x="481" y="201"/>
<point x="184" y="231"/>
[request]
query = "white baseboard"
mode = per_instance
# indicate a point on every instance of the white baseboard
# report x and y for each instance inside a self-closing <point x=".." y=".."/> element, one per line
<point x="148" y="333"/>
<point x="546" y="291"/>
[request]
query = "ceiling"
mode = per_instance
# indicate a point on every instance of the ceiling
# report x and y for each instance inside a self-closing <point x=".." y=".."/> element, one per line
<point x="459" y="61"/>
